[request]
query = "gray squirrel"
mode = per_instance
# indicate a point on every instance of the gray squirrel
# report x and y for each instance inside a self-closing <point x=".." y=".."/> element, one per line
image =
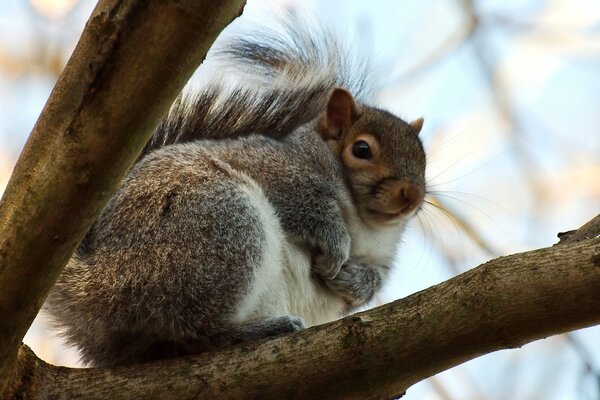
<point x="256" y="209"/>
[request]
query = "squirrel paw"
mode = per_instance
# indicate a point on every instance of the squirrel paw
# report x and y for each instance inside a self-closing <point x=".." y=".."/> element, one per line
<point x="328" y="267"/>
<point x="295" y="324"/>
<point x="356" y="283"/>
<point x="278" y="325"/>
<point x="258" y="329"/>
<point x="327" y="263"/>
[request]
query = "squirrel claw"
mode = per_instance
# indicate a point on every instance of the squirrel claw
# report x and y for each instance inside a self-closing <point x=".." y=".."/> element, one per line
<point x="328" y="267"/>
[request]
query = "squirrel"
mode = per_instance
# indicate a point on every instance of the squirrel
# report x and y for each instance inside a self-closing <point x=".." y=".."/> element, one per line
<point x="254" y="210"/>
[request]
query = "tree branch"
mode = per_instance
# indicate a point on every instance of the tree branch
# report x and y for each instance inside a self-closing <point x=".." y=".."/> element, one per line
<point x="378" y="354"/>
<point x="588" y="231"/>
<point x="132" y="60"/>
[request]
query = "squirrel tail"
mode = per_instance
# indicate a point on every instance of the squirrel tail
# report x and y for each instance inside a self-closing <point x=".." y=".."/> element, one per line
<point x="272" y="83"/>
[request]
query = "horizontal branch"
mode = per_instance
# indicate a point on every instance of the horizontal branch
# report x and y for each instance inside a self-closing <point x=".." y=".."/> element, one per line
<point x="131" y="61"/>
<point x="504" y="303"/>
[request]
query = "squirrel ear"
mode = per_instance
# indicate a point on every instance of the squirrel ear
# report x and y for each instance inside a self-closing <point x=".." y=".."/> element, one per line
<point x="417" y="125"/>
<point x="341" y="113"/>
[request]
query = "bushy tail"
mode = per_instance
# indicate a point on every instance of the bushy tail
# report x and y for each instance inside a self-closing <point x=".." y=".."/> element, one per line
<point x="272" y="84"/>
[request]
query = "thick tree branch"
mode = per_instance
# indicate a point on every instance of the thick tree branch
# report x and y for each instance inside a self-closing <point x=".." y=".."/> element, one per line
<point x="377" y="354"/>
<point x="131" y="62"/>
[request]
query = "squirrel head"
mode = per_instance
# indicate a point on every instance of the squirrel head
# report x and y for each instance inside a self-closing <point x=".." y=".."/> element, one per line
<point x="382" y="156"/>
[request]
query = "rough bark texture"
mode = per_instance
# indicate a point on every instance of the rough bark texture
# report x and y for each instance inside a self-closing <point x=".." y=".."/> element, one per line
<point x="131" y="61"/>
<point x="588" y="231"/>
<point x="377" y="354"/>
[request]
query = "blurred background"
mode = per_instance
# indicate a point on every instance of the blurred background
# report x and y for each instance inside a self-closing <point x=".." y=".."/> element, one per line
<point x="510" y="92"/>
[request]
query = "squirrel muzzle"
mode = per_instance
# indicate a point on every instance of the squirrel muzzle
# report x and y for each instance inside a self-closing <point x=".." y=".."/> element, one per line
<point x="396" y="199"/>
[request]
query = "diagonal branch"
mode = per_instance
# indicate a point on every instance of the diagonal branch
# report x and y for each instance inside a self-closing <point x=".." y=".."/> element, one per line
<point x="131" y="62"/>
<point x="588" y="231"/>
<point x="378" y="354"/>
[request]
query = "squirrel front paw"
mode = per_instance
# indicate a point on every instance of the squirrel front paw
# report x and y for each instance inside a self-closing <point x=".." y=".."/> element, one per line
<point x="356" y="283"/>
<point x="329" y="258"/>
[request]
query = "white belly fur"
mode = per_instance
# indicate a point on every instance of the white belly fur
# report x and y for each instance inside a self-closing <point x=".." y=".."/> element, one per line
<point x="283" y="284"/>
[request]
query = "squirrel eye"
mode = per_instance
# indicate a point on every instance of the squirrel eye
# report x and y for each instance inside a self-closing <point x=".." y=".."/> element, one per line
<point x="361" y="149"/>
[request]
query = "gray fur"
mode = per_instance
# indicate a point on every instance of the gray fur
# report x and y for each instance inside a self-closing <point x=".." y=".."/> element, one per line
<point x="137" y="276"/>
<point x="292" y="74"/>
<point x="356" y="283"/>
<point x="259" y="329"/>
<point x="220" y="235"/>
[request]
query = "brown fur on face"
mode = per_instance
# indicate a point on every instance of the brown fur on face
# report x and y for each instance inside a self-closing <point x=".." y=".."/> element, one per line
<point x="389" y="185"/>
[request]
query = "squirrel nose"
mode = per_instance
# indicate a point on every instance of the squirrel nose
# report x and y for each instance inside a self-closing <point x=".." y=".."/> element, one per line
<point x="408" y="196"/>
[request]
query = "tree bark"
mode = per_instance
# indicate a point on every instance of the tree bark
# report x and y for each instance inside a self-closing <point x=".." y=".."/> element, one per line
<point x="588" y="231"/>
<point x="377" y="354"/>
<point x="131" y="61"/>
